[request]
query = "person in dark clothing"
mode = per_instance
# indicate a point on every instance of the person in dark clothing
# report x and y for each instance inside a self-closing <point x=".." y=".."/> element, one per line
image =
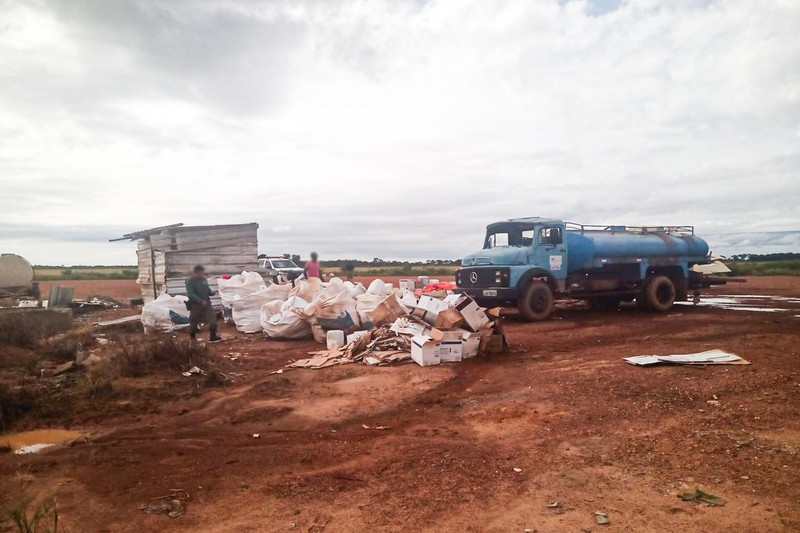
<point x="200" y="309"/>
<point x="349" y="268"/>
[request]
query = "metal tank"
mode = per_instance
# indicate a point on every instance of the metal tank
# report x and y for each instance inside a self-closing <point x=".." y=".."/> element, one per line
<point x="585" y="247"/>
<point x="16" y="273"/>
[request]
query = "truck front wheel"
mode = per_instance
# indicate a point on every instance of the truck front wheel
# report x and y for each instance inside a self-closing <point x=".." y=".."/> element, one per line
<point x="659" y="293"/>
<point x="536" y="301"/>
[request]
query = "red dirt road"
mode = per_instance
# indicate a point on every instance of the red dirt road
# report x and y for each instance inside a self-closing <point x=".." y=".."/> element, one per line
<point x="119" y="289"/>
<point x="582" y="427"/>
<point x="127" y="288"/>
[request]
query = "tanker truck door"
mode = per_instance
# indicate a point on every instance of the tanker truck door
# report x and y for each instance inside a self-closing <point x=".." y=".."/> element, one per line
<point x="551" y="251"/>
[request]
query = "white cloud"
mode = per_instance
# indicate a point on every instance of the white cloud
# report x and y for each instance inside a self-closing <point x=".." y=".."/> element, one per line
<point x="394" y="128"/>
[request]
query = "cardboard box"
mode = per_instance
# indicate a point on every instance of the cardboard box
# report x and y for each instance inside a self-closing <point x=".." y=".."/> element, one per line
<point x="473" y="315"/>
<point x="493" y="344"/>
<point x="472" y="342"/>
<point x="387" y="311"/>
<point x="411" y="325"/>
<point x="451" y="346"/>
<point x="357" y="335"/>
<point x="437" y="313"/>
<point x="424" y="351"/>
<point x="448" y="318"/>
<point x="429" y="308"/>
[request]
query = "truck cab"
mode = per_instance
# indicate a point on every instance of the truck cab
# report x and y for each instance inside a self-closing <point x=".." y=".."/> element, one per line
<point x="530" y="262"/>
<point x="516" y="253"/>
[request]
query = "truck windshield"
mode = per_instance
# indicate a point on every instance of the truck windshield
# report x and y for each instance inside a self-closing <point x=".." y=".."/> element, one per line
<point x="508" y="235"/>
<point x="285" y="263"/>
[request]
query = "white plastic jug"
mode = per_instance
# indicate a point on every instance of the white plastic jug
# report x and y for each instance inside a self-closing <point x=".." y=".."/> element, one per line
<point x="335" y="338"/>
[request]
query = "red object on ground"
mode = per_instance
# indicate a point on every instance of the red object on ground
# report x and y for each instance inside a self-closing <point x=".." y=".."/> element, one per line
<point x="441" y="286"/>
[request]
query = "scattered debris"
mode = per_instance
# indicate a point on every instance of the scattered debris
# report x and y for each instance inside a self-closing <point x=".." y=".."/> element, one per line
<point x="280" y="371"/>
<point x="173" y="505"/>
<point x="556" y="506"/>
<point x="380" y="428"/>
<point x="64" y="368"/>
<point x="517" y="470"/>
<point x="192" y="371"/>
<point x="256" y="435"/>
<point x="601" y="518"/>
<point x="119" y="321"/>
<point x="701" y="496"/>
<point x="710" y="357"/>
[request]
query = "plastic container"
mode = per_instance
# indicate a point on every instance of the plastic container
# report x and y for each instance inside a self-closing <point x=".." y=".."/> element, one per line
<point x="335" y="338"/>
<point x="407" y="285"/>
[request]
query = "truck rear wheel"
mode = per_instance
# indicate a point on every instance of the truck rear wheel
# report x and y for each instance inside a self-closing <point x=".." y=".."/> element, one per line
<point x="536" y="301"/>
<point x="659" y="293"/>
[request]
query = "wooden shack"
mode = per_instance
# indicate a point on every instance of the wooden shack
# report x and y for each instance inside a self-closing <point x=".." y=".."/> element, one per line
<point x="168" y="254"/>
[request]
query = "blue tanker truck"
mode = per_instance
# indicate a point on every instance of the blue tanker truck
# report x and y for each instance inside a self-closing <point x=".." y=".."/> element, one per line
<point x="530" y="262"/>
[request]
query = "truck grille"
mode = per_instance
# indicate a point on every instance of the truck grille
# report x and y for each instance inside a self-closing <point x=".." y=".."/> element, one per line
<point x="469" y="278"/>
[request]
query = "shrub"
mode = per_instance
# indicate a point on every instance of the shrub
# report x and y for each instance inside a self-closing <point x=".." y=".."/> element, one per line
<point x="158" y="354"/>
<point x="14" y="403"/>
<point x="43" y="519"/>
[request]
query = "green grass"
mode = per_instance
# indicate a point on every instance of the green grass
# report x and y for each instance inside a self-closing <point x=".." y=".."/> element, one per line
<point x="56" y="273"/>
<point x="789" y="267"/>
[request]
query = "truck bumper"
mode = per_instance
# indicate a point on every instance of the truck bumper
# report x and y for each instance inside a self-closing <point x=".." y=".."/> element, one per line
<point x="491" y="296"/>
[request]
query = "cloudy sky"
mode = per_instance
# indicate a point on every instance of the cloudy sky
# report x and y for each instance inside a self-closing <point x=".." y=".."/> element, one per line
<point x="395" y="128"/>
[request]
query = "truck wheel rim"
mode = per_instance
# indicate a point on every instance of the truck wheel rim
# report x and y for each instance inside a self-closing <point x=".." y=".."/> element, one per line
<point x="664" y="293"/>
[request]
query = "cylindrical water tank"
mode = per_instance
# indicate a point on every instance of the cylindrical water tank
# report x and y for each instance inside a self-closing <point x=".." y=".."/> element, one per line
<point x="15" y="272"/>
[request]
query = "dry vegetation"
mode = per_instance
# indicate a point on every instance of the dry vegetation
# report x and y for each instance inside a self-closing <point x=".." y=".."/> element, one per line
<point x="29" y="388"/>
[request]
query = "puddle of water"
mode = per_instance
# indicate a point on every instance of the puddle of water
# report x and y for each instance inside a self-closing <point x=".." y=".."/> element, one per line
<point x="37" y="440"/>
<point x="747" y="302"/>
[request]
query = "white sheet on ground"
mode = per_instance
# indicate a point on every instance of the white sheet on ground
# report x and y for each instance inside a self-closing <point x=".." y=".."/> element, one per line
<point x="710" y="357"/>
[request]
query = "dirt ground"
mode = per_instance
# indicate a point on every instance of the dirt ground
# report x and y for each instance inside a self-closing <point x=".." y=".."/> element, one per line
<point x="119" y="289"/>
<point x="484" y="445"/>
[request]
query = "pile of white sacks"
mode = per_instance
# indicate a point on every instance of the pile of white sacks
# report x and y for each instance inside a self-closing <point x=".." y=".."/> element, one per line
<point x="310" y="307"/>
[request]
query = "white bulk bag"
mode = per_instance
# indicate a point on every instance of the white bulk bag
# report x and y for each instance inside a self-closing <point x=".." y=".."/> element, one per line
<point x="271" y="309"/>
<point x="357" y="290"/>
<point x="239" y="285"/>
<point x="377" y="287"/>
<point x="366" y="304"/>
<point x="288" y="324"/>
<point x="247" y="310"/>
<point x="155" y="314"/>
<point x="306" y="289"/>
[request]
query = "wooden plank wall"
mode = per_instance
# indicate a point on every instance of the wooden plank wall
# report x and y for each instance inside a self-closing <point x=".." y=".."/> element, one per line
<point x="228" y="249"/>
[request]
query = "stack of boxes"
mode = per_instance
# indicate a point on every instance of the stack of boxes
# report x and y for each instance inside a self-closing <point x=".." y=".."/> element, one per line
<point x="458" y="329"/>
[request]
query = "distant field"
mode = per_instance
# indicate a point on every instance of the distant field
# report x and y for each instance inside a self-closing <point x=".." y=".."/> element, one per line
<point x="55" y="273"/>
<point x="790" y="267"/>
<point x="405" y="270"/>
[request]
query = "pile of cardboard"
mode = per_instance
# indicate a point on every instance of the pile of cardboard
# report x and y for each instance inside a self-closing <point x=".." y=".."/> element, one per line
<point x="444" y="329"/>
